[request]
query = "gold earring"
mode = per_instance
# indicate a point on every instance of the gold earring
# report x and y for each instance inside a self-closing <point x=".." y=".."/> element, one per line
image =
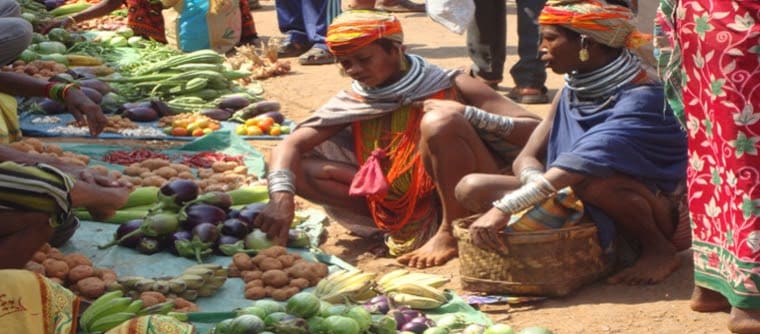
<point x="583" y="53"/>
<point x="404" y="66"/>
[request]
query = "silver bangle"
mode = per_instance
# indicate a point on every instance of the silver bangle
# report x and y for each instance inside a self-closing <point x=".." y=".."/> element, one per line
<point x="281" y="180"/>
<point x="530" y="174"/>
<point x="526" y="196"/>
<point x="492" y="123"/>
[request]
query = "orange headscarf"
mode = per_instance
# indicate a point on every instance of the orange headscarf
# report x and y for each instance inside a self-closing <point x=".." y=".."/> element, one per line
<point x="610" y="25"/>
<point x="356" y="29"/>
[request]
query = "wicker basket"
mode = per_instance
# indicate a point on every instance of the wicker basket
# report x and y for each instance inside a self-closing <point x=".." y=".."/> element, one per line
<point x="541" y="263"/>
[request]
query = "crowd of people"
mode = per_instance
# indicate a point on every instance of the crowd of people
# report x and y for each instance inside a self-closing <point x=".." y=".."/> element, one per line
<point x="410" y="147"/>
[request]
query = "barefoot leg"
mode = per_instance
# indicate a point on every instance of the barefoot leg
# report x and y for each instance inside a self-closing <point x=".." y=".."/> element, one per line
<point x="22" y="234"/>
<point x="641" y="216"/>
<point x="450" y="149"/>
<point x="744" y="321"/>
<point x="706" y="300"/>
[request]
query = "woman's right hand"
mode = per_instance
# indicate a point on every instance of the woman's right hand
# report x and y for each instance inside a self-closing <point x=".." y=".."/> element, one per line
<point x="55" y="23"/>
<point x="83" y="109"/>
<point x="276" y="217"/>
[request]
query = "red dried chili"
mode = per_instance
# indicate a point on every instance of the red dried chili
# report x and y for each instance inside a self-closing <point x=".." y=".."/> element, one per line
<point x="130" y="157"/>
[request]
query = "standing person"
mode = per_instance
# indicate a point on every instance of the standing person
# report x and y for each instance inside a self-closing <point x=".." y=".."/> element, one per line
<point x="606" y="138"/>
<point x="145" y="19"/>
<point x="304" y="23"/>
<point x="487" y="43"/>
<point x="715" y="47"/>
<point x="382" y="156"/>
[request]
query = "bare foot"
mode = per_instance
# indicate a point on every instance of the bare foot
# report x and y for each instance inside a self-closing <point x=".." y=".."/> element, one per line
<point x="744" y="321"/>
<point x="706" y="300"/>
<point x="652" y="267"/>
<point x="435" y="252"/>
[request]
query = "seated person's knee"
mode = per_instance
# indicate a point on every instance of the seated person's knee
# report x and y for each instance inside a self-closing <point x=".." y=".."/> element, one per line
<point x="468" y="194"/>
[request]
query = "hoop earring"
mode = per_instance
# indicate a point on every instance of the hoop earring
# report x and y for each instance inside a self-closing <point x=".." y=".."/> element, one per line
<point x="403" y="65"/>
<point x="583" y="53"/>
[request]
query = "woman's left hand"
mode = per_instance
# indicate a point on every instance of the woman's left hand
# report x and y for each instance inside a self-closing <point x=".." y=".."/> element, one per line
<point x="487" y="229"/>
<point x="82" y="108"/>
<point x="442" y="105"/>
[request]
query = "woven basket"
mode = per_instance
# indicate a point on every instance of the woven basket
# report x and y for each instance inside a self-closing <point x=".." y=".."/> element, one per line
<point x="540" y="263"/>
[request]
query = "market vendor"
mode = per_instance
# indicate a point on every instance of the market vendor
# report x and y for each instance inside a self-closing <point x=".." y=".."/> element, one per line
<point x="607" y="137"/>
<point x="379" y="155"/>
<point x="146" y="20"/>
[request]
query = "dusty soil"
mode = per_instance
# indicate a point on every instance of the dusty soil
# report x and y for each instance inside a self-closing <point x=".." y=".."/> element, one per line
<point x="598" y="308"/>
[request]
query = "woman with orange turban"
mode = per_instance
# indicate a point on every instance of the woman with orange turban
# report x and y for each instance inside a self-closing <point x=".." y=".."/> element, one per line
<point x="607" y="138"/>
<point x="379" y="155"/>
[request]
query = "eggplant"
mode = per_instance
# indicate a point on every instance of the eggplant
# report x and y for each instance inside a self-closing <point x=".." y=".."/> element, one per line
<point x="217" y="114"/>
<point x="148" y="245"/>
<point x="98" y="85"/>
<point x="403" y="315"/>
<point x="161" y="107"/>
<point x="92" y="94"/>
<point x="110" y="103"/>
<point x="172" y="195"/>
<point x="154" y="225"/>
<point x="235" y="228"/>
<point x="250" y="212"/>
<point x="378" y="305"/>
<point x="142" y="114"/>
<point x="177" y="236"/>
<point x="298" y="239"/>
<point x="205" y="236"/>
<point x="130" y="105"/>
<point x="218" y="199"/>
<point x="225" y="241"/>
<point x="254" y="109"/>
<point x="195" y="214"/>
<point x="51" y="107"/>
<point x="277" y="116"/>
<point x="415" y="327"/>
<point x="126" y="228"/>
<point x="233" y="102"/>
<point x="233" y="213"/>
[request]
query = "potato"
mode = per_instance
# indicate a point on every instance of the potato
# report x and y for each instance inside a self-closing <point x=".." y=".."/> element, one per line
<point x="39" y="257"/>
<point x="286" y="260"/>
<point x="56" y="268"/>
<point x="250" y="275"/>
<point x="270" y="263"/>
<point x="300" y="283"/>
<point x="76" y="259"/>
<point x="91" y="287"/>
<point x="284" y="293"/>
<point x="54" y="253"/>
<point x="35" y="267"/>
<point x="166" y="172"/>
<point x="107" y="275"/>
<point x="151" y="298"/>
<point x="99" y="169"/>
<point x="80" y="272"/>
<point x="243" y="262"/>
<point x="274" y="251"/>
<point x="256" y="282"/>
<point x="275" y="278"/>
<point x="233" y="271"/>
<point x="255" y="293"/>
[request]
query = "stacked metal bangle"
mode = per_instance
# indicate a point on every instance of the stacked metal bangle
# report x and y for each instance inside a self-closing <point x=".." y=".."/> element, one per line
<point x="492" y="123"/>
<point x="281" y="180"/>
<point x="526" y="196"/>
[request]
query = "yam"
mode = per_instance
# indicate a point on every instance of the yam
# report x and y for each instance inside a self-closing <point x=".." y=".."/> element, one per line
<point x="284" y="293"/>
<point x="107" y="275"/>
<point x="39" y="256"/>
<point x="275" y="278"/>
<point x="243" y="262"/>
<point x="54" y="253"/>
<point x="151" y="298"/>
<point x="286" y="260"/>
<point x="253" y="283"/>
<point x="274" y="251"/>
<point x="80" y="272"/>
<point x="250" y="275"/>
<point x="91" y="287"/>
<point x="56" y="268"/>
<point x="255" y="293"/>
<point x="300" y="283"/>
<point x="269" y="263"/>
<point x="182" y="303"/>
<point x="166" y="172"/>
<point x="76" y="259"/>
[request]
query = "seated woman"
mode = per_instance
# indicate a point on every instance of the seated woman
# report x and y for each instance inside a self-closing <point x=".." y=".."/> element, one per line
<point x="146" y="20"/>
<point x="379" y="156"/>
<point x="607" y="137"/>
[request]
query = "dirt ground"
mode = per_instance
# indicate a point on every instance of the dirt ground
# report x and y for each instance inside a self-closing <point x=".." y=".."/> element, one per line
<point x="599" y="308"/>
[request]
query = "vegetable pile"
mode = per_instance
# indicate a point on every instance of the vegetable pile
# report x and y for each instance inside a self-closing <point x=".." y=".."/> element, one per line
<point x="74" y="271"/>
<point x="275" y="273"/>
<point x="35" y="146"/>
<point x="196" y="281"/>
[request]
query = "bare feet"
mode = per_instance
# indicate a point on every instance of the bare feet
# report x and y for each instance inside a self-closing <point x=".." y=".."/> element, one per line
<point x="706" y="300"/>
<point x="436" y="252"/>
<point x="744" y="321"/>
<point x="652" y="267"/>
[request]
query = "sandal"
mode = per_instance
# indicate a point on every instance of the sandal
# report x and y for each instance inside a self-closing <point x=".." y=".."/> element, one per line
<point x="528" y="95"/>
<point x="291" y="49"/>
<point x="403" y="6"/>
<point x="316" y="56"/>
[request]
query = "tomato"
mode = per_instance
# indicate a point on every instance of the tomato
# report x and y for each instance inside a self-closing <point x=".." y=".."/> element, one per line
<point x="207" y="131"/>
<point x="251" y="121"/>
<point x="198" y="133"/>
<point x="179" y="123"/>
<point x="214" y="126"/>
<point x="202" y="123"/>
<point x="180" y="131"/>
<point x="241" y="130"/>
<point x="275" y="131"/>
<point x="254" y="131"/>
<point x="266" y="122"/>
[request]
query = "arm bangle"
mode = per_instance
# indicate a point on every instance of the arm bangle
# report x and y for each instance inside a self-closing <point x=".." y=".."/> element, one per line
<point x="526" y="196"/>
<point x="492" y="123"/>
<point x="281" y="180"/>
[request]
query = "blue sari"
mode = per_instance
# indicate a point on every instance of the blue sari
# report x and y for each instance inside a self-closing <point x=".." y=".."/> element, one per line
<point x="628" y="133"/>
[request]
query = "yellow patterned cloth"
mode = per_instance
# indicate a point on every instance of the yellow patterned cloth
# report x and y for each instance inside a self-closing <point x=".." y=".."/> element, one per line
<point x="611" y="25"/>
<point x="153" y="324"/>
<point x="10" y="130"/>
<point x="356" y="29"/>
<point x="559" y="211"/>
<point x="32" y="304"/>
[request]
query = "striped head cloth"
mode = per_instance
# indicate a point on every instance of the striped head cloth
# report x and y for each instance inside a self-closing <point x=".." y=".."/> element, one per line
<point x="610" y="25"/>
<point x="356" y="29"/>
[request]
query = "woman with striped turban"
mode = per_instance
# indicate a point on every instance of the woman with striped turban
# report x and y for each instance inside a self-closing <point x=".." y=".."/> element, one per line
<point x="607" y="138"/>
<point x="379" y="155"/>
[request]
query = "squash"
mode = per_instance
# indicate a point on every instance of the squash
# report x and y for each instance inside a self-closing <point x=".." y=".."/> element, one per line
<point x="246" y="324"/>
<point x="337" y="324"/>
<point x="303" y="304"/>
